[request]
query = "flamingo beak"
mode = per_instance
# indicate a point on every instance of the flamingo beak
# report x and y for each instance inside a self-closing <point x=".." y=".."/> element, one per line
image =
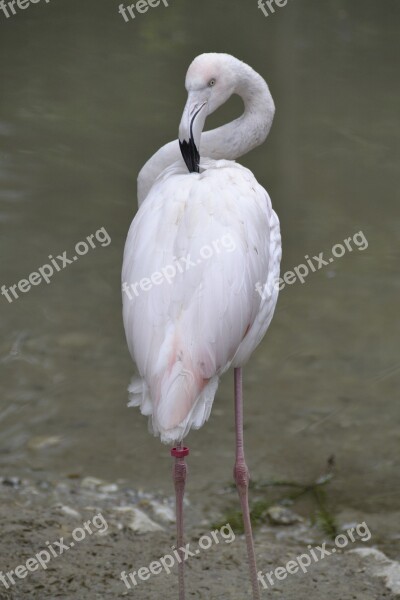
<point x="190" y="130"/>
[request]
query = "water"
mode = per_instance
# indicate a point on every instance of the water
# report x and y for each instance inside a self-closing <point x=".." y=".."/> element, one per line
<point x="86" y="98"/>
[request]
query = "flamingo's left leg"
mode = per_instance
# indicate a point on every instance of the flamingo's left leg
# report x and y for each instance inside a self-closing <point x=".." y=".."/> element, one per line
<point x="242" y="477"/>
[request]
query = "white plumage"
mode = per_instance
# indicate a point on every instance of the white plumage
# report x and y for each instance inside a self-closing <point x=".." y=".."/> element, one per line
<point x="185" y="332"/>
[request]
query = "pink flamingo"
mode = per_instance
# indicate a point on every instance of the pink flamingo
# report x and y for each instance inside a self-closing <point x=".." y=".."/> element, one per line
<point x="189" y="318"/>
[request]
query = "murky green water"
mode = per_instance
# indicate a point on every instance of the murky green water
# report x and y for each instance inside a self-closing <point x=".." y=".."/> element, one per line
<point x="85" y="99"/>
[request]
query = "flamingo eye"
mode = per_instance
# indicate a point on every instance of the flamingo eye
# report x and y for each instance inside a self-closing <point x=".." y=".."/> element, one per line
<point x="211" y="82"/>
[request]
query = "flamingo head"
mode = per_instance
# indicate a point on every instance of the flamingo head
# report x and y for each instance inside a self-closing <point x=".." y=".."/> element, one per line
<point x="210" y="81"/>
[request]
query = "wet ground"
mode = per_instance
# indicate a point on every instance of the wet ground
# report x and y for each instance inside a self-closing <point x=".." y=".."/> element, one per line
<point x="86" y="98"/>
<point x="88" y="537"/>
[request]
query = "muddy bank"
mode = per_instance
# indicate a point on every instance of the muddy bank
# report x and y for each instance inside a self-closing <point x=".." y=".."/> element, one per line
<point x="131" y="529"/>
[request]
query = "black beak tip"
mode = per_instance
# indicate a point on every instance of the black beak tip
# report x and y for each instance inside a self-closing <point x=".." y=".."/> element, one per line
<point x="190" y="155"/>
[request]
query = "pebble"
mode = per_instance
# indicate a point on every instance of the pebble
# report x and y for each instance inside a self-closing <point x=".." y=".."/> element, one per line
<point x="163" y="511"/>
<point x="138" y="520"/>
<point x="280" y="515"/>
<point x="44" y="441"/>
<point x="67" y="510"/>
<point x="381" y="566"/>
<point x="92" y="483"/>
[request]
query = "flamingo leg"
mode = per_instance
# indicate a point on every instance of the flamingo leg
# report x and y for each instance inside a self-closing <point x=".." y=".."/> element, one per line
<point x="179" y="477"/>
<point x="242" y="477"/>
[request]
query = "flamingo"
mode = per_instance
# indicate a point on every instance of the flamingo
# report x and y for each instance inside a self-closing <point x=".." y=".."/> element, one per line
<point x="185" y="330"/>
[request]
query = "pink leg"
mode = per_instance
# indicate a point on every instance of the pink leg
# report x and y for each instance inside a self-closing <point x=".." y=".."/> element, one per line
<point x="242" y="477"/>
<point x="179" y="477"/>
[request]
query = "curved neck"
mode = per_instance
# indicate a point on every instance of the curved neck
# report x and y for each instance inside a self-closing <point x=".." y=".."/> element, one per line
<point x="248" y="131"/>
<point x="229" y="141"/>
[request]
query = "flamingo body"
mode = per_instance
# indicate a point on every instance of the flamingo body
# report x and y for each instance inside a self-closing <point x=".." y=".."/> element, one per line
<point x="185" y="332"/>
